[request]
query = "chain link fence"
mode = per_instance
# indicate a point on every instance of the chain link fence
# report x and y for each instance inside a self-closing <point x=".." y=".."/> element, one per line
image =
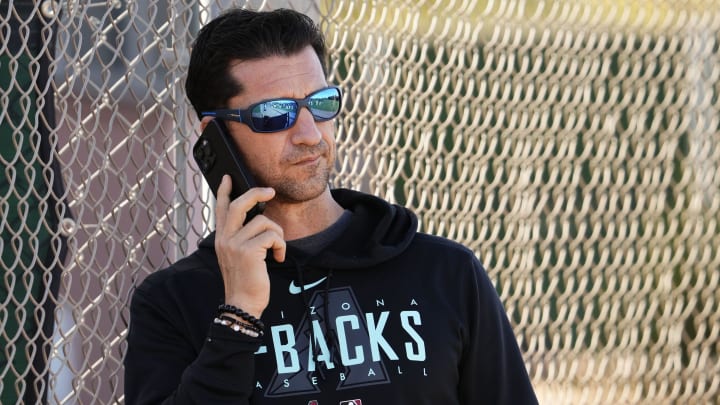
<point x="574" y="146"/>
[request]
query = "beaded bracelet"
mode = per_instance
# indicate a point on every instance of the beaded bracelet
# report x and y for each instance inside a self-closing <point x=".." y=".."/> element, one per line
<point x="238" y="327"/>
<point x="230" y="309"/>
<point x="241" y="323"/>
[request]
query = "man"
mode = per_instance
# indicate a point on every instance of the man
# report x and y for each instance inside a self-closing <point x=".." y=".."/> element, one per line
<point x="329" y="296"/>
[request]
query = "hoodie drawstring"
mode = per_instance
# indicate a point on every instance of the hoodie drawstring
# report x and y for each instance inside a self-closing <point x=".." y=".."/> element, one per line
<point x="328" y="331"/>
<point x="312" y="347"/>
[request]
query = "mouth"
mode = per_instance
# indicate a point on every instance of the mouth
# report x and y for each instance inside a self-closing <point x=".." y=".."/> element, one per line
<point x="306" y="155"/>
<point x="307" y="160"/>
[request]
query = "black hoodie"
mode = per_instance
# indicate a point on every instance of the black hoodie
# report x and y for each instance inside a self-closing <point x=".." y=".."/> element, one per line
<point x="412" y="319"/>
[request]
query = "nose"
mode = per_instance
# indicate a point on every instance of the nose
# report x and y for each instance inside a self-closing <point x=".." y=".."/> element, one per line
<point x="305" y="131"/>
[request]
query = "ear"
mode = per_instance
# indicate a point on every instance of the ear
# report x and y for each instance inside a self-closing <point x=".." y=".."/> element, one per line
<point x="204" y="122"/>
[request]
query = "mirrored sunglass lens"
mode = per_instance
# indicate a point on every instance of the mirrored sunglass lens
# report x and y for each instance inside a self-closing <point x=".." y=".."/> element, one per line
<point x="325" y="104"/>
<point x="274" y="115"/>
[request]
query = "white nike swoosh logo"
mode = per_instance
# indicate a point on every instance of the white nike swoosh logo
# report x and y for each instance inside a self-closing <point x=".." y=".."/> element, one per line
<point x="297" y="290"/>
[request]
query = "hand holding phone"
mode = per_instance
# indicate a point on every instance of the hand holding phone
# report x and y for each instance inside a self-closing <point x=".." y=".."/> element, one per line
<point x="241" y="250"/>
<point x="216" y="155"/>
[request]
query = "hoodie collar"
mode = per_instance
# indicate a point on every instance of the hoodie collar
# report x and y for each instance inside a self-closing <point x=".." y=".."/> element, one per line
<point x="377" y="231"/>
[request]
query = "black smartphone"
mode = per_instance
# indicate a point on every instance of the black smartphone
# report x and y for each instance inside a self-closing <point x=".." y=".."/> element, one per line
<point x="216" y="155"/>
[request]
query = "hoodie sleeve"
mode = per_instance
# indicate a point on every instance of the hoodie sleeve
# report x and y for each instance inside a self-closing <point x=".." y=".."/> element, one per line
<point x="493" y="370"/>
<point x="163" y="366"/>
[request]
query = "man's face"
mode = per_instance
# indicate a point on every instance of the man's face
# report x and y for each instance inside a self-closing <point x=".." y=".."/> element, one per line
<point x="295" y="162"/>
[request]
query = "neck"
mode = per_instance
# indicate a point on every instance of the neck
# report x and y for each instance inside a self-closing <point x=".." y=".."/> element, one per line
<point x="306" y="218"/>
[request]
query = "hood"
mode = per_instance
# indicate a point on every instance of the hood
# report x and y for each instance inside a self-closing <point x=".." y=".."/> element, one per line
<point x="378" y="231"/>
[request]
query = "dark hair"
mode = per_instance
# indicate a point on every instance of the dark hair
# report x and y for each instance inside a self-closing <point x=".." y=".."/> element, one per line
<point x="240" y="34"/>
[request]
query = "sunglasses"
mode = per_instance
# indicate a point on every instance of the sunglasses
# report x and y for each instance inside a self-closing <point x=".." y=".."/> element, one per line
<point x="279" y="114"/>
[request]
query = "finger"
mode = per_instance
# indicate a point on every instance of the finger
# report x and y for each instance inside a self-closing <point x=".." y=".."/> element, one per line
<point x="249" y="252"/>
<point x="259" y="225"/>
<point x="238" y="208"/>
<point x="279" y="252"/>
<point x="271" y="239"/>
<point x="222" y="202"/>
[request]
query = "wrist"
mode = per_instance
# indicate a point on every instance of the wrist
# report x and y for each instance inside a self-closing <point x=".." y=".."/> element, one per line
<point x="247" y="305"/>
<point x="239" y="326"/>
<point x="240" y="318"/>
